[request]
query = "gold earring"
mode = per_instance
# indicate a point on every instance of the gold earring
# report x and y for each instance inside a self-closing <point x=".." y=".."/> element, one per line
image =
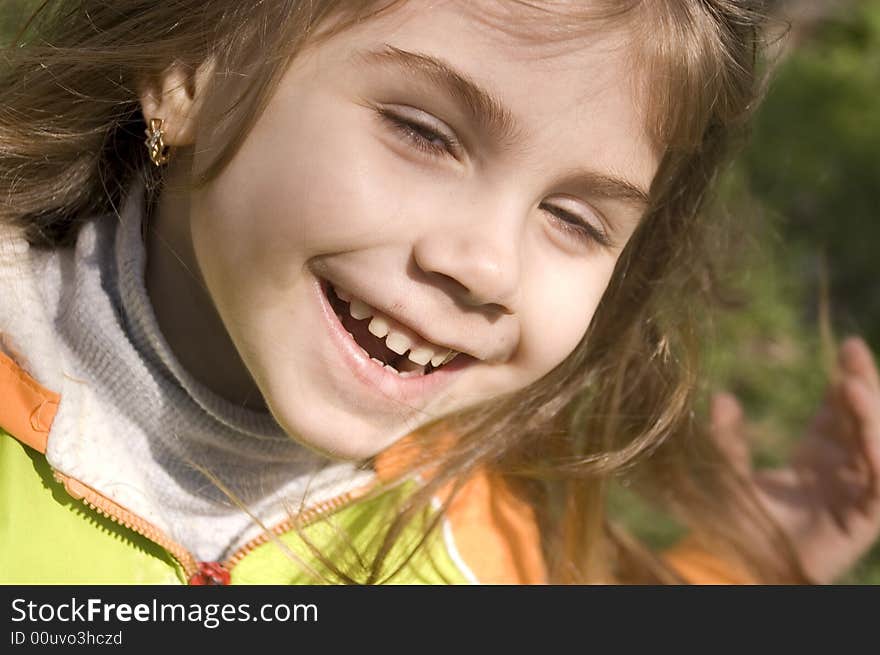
<point x="155" y="142"/>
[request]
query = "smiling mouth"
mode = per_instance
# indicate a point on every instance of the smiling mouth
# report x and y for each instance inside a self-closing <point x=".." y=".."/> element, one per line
<point x="376" y="347"/>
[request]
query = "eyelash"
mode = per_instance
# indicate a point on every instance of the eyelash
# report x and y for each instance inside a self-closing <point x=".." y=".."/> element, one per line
<point x="414" y="133"/>
<point x="577" y="228"/>
<point x="417" y="134"/>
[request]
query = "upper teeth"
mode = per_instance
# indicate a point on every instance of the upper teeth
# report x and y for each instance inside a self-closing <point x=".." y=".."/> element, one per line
<point x="397" y="338"/>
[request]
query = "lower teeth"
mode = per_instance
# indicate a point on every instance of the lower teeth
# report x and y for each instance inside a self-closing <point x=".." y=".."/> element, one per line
<point x="404" y="374"/>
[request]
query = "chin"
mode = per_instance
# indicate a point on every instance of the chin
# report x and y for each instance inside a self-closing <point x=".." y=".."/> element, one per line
<point x="346" y="439"/>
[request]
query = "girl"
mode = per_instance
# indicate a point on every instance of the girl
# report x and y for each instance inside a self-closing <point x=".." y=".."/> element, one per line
<point x="385" y="292"/>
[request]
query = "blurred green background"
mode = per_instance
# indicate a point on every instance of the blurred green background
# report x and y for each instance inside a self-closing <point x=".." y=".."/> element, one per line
<point x="808" y="181"/>
<point x="803" y="188"/>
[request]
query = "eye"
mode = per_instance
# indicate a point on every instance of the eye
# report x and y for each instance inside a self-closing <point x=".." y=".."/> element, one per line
<point x="576" y="227"/>
<point x="420" y="131"/>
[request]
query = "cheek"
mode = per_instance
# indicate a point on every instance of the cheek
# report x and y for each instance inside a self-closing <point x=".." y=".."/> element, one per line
<point x="563" y="306"/>
<point x="313" y="190"/>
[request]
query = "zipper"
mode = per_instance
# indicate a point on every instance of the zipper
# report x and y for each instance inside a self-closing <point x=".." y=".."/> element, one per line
<point x="304" y="519"/>
<point x="301" y="520"/>
<point x="196" y="572"/>
<point x="118" y="514"/>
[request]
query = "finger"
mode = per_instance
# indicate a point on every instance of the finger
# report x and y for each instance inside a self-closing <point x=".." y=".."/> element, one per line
<point x="728" y="431"/>
<point x="833" y="462"/>
<point x="864" y="404"/>
<point x="824" y="421"/>
<point x="856" y="358"/>
<point x="833" y="425"/>
<point x="843" y="427"/>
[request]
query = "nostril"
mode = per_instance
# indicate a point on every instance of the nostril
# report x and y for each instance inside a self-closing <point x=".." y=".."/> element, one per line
<point x="459" y="291"/>
<point x="470" y="298"/>
<point x="453" y="286"/>
<point x="499" y="309"/>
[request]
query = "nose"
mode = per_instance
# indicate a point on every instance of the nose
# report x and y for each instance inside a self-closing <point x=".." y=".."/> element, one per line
<point x="478" y="257"/>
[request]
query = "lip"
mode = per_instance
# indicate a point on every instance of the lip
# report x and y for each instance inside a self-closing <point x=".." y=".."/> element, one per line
<point x="412" y="390"/>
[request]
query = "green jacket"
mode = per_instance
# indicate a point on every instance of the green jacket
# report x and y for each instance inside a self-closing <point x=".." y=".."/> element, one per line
<point x="48" y="536"/>
<point x="55" y="529"/>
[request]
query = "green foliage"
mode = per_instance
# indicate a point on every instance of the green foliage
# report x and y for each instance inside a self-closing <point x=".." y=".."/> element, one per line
<point x="13" y="14"/>
<point x="805" y="185"/>
<point x="814" y="160"/>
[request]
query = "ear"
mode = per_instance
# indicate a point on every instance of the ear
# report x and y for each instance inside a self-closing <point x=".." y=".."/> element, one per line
<point x="176" y="96"/>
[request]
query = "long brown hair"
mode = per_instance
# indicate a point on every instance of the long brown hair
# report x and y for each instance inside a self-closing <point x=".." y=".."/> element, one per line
<point x="71" y="141"/>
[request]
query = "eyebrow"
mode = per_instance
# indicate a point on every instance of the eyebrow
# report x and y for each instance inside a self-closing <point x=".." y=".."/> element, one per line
<point x="487" y="110"/>
<point x="609" y="186"/>
<point x="493" y="117"/>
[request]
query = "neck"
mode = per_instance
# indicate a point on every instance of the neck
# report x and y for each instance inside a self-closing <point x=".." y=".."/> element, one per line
<point x="184" y="310"/>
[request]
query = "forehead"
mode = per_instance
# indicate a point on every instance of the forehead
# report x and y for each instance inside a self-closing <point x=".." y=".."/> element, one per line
<point x="566" y="78"/>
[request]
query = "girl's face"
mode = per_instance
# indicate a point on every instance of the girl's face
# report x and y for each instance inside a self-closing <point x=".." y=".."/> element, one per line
<point x="471" y="189"/>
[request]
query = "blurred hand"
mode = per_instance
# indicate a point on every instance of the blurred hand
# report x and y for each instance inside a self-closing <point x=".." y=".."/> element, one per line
<point x="827" y="499"/>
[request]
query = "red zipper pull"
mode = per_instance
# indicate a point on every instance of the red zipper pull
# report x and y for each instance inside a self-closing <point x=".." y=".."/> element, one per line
<point x="210" y="573"/>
